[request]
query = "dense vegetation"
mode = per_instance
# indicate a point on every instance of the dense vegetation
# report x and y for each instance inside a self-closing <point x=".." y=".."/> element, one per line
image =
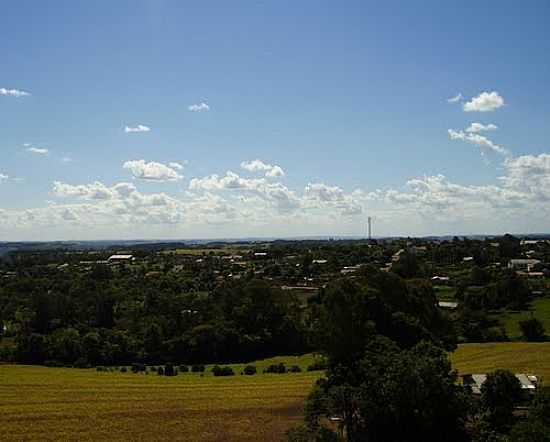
<point x="372" y="309"/>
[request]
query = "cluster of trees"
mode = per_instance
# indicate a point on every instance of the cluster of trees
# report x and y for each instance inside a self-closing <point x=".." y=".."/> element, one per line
<point x="106" y="318"/>
<point x="389" y="377"/>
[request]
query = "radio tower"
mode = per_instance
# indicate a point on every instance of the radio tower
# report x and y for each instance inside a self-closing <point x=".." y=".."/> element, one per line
<point x="369" y="219"/>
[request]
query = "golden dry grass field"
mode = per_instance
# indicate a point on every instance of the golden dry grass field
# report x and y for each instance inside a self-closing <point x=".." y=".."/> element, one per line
<point x="39" y="403"/>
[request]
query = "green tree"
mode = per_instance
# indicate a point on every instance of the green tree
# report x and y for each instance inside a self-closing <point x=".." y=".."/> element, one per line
<point x="532" y="330"/>
<point x="500" y="392"/>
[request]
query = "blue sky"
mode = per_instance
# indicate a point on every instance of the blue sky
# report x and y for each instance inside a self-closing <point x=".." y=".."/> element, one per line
<point x="348" y="99"/>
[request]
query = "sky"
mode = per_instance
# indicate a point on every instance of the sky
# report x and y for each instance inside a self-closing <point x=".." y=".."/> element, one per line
<point x="152" y="119"/>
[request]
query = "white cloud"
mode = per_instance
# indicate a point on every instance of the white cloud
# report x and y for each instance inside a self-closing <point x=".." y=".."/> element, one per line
<point x="323" y="192"/>
<point x="276" y="194"/>
<point x="177" y="166"/>
<point x="13" y="92"/>
<point x="137" y="129"/>
<point x="484" y="102"/>
<point x="271" y="171"/>
<point x="529" y="174"/>
<point x="455" y="99"/>
<point x="478" y="127"/>
<point x="202" y="106"/>
<point x="152" y="171"/>
<point x="66" y="160"/>
<point x="480" y="141"/>
<point x="3" y="177"/>
<point x="38" y="150"/>
<point x="94" y="191"/>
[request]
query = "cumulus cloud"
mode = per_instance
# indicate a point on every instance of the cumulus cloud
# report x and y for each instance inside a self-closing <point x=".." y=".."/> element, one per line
<point x="272" y="171"/>
<point x="93" y="191"/>
<point x="276" y="194"/>
<point x="529" y="174"/>
<point x="455" y="99"/>
<point x="201" y="107"/>
<point x="38" y="150"/>
<point x="484" y="102"/>
<point x="3" y="177"/>
<point x="485" y="144"/>
<point x="13" y="92"/>
<point x="137" y="129"/>
<point x="152" y="171"/>
<point x="177" y="166"/>
<point x="478" y="127"/>
<point x="324" y="192"/>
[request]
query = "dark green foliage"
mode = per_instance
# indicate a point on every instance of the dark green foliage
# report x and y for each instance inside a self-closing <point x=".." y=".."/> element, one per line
<point x="160" y="371"/>
<point x="123" y="369"/>
<point x="499" y="394"/>
<point x="138" y="367"/>
<point x="222" y="371"/>
<point x="197" y="368"/>
<point x="317" y="366"/>
<point x="279" y="368"/>
<point x="532" y="330"/>
<point x="169" y="370"/>
<point x="295" y="369"/>
<point x="392" y="395"/>
<point x="249" y="370"/>
<point x="184" y="368"/>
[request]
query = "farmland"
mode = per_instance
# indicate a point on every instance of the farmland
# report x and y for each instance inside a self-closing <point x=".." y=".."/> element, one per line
<point x="40" y="403"/>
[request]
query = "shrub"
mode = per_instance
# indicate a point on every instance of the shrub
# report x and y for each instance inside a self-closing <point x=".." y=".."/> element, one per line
<point x="160" y="371"/>
<point x="138" y="367"/>
<point x="276" y="368"/>
<point x="184" y="368"/>
<point x="101" y="368"/>
<point x="123" y="369"/>
<point x="532" y="330"/>
<point x="249" y="370"/>
<point x="295" y="369"/>
<point x="81" y="363"/>
<point x="169" y="370"/>
<point x="222" y="371"/>
<point x="317" y="365"/>
<point x="197" y="368"/>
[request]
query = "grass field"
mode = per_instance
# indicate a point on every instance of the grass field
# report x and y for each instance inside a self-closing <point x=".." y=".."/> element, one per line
<point x="519" y="357"/>
<point x="39" y="403"/>
<point x="539" y="308"/>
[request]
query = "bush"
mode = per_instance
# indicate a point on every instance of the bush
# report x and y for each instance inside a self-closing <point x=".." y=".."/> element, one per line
<point x="222" y="371"/>
<point x="198" y="368"/>
<point x="138" y="367"/>
<point x="184" y="368"/>
<point x="532" y="330"/>
<point x="101" y="368"/>
<point x="295" y="369"/>
<point x="276" y="368"/>
<point x="317" y="365"/>
<point x="153" y="368"/>
<point x="169" y="370"/>
<point x="123" y="369"/>
<point x="249" y="370"/>
<point x="160" y="371"/>
<point x="81" y="363"/>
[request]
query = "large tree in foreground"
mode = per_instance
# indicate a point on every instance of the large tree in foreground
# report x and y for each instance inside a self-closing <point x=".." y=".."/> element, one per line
<point x="387" y="379"/>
